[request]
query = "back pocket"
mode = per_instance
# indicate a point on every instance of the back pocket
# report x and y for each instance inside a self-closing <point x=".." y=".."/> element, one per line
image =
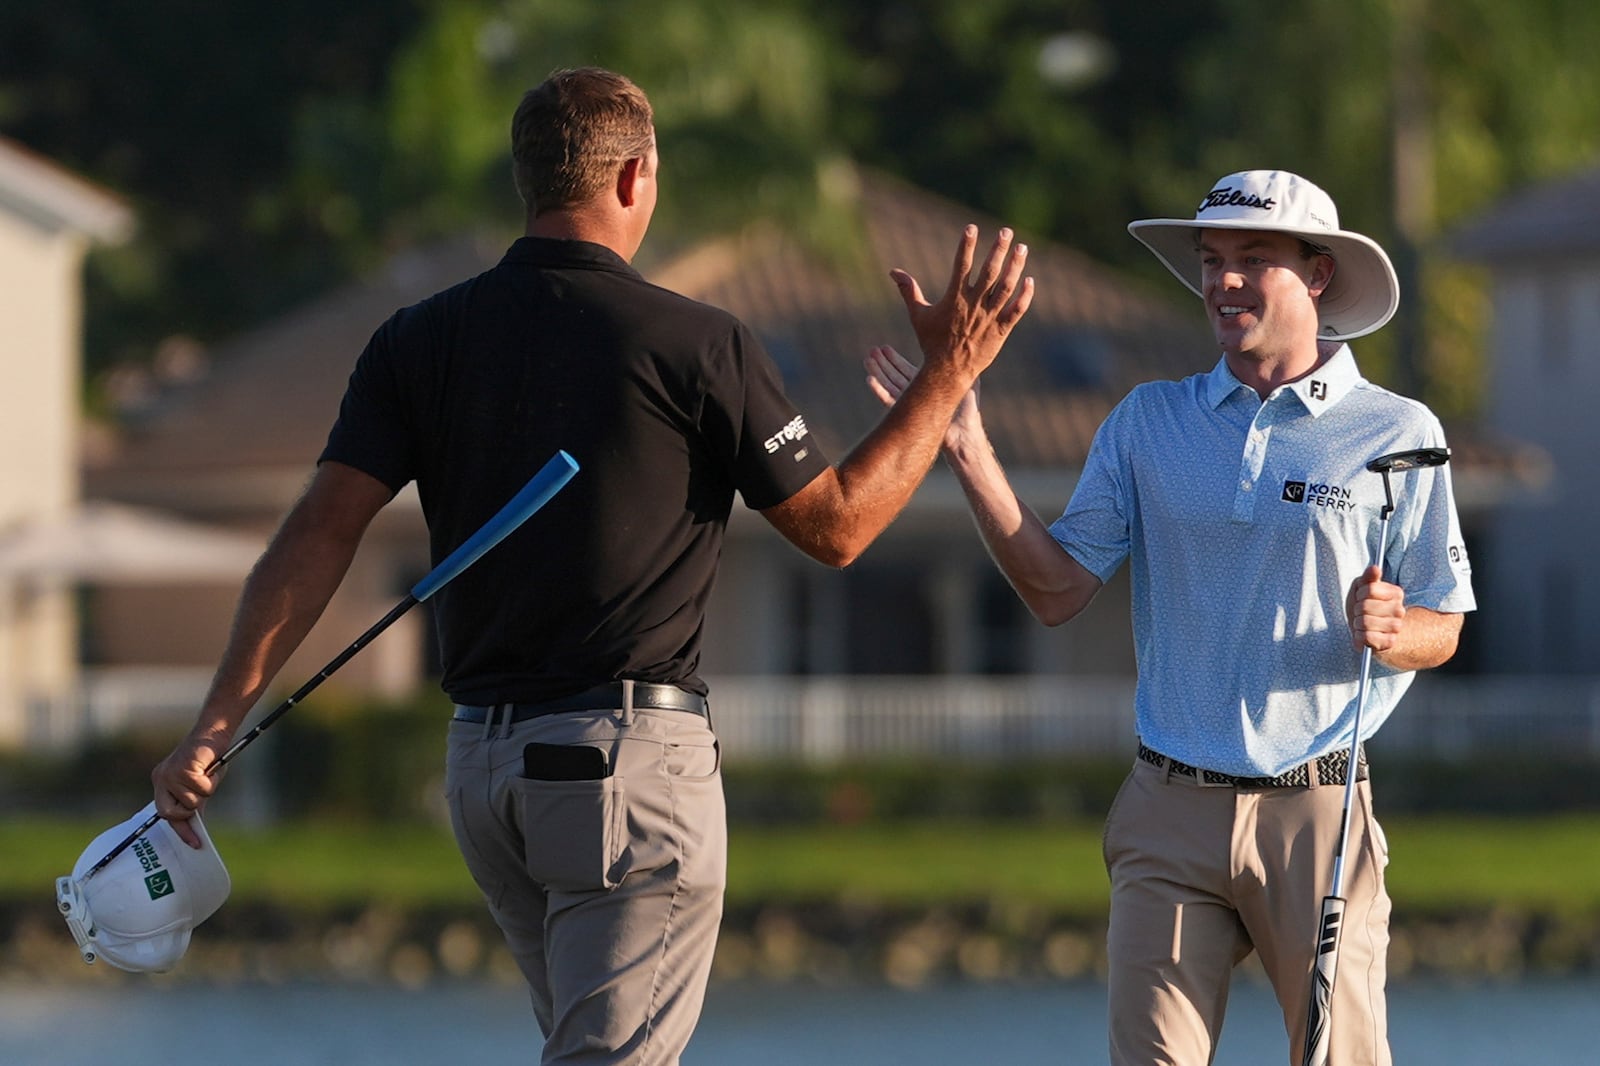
<point x="572" y="830"/>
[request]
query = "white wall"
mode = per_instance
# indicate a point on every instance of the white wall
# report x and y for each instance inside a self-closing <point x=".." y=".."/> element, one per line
<point x="1538" y="585"/>
<point x="41" y="312"/>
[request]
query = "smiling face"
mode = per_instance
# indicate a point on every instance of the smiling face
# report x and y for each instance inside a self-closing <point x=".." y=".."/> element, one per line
<point x="1261" y="292"/>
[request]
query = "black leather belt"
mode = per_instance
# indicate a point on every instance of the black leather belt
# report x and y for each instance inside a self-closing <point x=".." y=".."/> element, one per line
<point x="646" y="696"/>
<point x="1331" y="770"/>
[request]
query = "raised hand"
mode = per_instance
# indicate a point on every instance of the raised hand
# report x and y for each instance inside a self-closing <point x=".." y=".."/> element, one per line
<point x="962" y="333"/>
<point x="888" y="373"/>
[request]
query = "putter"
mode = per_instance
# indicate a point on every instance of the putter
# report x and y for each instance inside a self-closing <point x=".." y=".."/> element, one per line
<point x="550" y="479"/>
<point x="1326" y="965"/>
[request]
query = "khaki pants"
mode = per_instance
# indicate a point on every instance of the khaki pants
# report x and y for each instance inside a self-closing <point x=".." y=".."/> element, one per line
<point x="1201" y="876"/>
<point x="609" y="892"/>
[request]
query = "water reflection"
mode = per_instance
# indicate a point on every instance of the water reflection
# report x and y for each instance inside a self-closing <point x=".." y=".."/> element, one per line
<point x="151" y="1023"/>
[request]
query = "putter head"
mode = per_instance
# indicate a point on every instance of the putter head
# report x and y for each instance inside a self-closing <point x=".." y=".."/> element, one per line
<point x="1415" y="459"/>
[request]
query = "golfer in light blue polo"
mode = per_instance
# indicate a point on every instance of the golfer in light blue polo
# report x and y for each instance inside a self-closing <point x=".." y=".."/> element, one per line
<point x="1240" y="500"/>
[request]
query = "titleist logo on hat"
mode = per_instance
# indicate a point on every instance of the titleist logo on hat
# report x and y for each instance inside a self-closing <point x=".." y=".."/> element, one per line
<point x="1275" y="197"/>
<point x="1226" y="197"/>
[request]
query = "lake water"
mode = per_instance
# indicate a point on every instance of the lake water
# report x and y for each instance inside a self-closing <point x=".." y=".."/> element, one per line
<point x="146" y="1023"/>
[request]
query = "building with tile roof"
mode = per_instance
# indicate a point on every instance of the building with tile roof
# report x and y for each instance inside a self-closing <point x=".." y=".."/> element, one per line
<point x="234" y="446"/>
<point x="49" y="218"/>
<point x="1541" y="246"/>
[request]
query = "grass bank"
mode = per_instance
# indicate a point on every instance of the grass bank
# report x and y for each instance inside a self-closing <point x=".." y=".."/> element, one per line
<point x="904" y="902"/>
<point x="1441" y="864"/>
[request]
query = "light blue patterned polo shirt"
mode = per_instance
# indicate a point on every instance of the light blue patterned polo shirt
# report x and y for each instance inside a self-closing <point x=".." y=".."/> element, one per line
<point x="1245" y="523"/>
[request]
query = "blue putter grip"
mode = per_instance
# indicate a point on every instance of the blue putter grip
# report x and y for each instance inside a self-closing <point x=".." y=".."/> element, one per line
<point x="550" y="479"/>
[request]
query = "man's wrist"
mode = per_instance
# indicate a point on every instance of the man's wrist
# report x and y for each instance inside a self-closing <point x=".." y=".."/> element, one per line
<point x="215" y="727"/>
<point x="963" y="445"/>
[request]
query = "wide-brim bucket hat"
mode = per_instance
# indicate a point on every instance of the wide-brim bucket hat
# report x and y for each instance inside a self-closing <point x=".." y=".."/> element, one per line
<point x="1364" y="293"/>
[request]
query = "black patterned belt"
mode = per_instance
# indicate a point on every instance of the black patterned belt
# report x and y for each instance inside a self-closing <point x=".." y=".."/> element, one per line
<point x="646" y="696"/>
<point x="1331" y="770"/>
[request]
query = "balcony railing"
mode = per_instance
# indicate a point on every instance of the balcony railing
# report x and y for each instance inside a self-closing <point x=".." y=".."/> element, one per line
<point x="828" y="719"/>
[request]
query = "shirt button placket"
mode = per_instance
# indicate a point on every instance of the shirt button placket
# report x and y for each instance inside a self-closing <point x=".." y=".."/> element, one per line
<point x="1250" y="465"/>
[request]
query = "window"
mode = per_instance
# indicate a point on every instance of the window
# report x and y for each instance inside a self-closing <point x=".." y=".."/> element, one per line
<point x="1555" y="319"/>
<point x="1004" y="626"/>
<point x="1075" y="358"/>
<point x="890" y="620"/>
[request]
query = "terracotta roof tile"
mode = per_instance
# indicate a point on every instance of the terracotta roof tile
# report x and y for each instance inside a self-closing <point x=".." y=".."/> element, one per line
<point x="270" y="395"/>
<point x="266" y="404"/>
<point x="1554" y="216"/>
<point x="1089" y="337"/>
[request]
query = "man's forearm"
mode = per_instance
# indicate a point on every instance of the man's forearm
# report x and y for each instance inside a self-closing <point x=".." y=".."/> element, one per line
<point x="1050" y="582"/>
<point x="1427" y="639"/>
<point x="288" y="590"/>
<point x="881" y="473"/>
<point x="846" y="507"/>
<point x="280" y="603"/>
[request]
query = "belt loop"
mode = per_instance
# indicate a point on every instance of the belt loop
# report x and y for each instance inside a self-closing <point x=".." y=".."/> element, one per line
<point x="1314" y="772"/>
<point x="1166" y="769"/>
<point x="488" y="722"/>
<point x="505" y="720"/>
<point x="627" y="701"/>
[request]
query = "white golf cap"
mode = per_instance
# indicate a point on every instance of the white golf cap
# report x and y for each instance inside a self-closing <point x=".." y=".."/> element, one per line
<point x="1364" y="293"/>
<point x="137" y="912"/>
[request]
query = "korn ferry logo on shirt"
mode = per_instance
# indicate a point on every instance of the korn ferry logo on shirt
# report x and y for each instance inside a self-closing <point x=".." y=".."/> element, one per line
<point x="1319" y="494"/>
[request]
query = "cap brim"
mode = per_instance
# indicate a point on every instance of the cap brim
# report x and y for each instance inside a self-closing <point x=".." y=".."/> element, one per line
<point x="1364" y="293"/>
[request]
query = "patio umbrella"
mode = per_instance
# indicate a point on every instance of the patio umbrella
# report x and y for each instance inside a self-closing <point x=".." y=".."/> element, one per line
<point x="108" y="543"/>
<point x="99" y="543"/>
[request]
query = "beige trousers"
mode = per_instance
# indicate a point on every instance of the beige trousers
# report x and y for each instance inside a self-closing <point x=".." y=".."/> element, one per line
<point x="1201" y="876"/>
<point x="609" y="891"/>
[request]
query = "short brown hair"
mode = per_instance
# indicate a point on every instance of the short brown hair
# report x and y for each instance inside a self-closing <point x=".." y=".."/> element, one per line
<point x="571" y="131"/>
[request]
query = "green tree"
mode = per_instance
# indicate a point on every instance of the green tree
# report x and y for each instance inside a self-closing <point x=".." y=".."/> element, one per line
<point x="1037" y="111"/>
<point x="187" y="109"/>
<point x="272" y="150"/>
<point x="1413" y="114"/>
<point x="740" y="93"/>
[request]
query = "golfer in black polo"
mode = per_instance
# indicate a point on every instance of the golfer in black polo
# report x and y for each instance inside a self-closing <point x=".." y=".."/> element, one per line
<point x="583" y="775"/>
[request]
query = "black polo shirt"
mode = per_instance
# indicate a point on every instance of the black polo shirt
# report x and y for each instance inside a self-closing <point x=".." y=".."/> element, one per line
<point x="669" y="407"/>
